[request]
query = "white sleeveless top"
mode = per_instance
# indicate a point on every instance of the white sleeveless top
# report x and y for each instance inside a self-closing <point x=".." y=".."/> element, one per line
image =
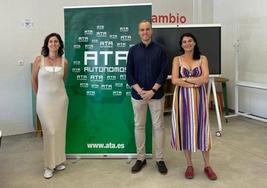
<point x="50" y="78"/>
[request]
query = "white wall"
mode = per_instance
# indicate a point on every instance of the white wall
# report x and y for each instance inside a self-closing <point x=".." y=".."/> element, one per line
<point x="246" y="21"/>
<point x="202" y="11"/>
<point x="19" y="43"/>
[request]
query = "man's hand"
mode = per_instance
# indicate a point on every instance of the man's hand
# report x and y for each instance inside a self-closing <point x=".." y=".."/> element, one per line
<point x="147" y="95"/>
<point x="140" y="91"/>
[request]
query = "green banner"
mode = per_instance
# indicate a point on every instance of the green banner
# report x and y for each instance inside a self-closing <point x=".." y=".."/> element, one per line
<point x="100" y="116"/>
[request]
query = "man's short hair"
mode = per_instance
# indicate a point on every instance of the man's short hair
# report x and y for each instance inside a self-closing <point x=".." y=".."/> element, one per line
<point x="145" y="21"/>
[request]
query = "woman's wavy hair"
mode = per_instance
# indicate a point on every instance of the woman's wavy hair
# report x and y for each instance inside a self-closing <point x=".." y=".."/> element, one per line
<point x="45" y="50"/>
<point x="196" y="53"/>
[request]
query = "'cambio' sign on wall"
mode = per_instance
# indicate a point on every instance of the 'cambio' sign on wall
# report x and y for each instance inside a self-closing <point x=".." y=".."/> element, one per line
<point x="172" y="12"/>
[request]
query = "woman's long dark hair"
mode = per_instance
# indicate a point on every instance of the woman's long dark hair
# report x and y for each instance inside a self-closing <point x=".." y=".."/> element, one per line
<point x="196" y="53"/>
<point x="45" y="50"/>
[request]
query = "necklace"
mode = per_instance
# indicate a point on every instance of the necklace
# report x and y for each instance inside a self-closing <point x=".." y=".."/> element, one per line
<point x="53" y="62"/>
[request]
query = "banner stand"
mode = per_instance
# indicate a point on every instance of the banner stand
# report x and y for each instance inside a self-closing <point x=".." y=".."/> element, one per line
<point x="100" y="120"/>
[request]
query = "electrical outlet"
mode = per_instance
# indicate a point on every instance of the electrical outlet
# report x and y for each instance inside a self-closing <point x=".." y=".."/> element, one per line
<point x="20" y="62"/>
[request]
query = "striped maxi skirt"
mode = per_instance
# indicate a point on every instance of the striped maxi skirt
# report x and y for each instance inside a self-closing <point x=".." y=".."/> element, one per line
<point x="190" y="119"/>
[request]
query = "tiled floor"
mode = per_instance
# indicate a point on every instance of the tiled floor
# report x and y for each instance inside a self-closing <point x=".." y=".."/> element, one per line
<point x="239" y="158"/>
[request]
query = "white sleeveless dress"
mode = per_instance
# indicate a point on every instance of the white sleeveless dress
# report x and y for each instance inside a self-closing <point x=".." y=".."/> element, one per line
<point x="52" y="106"/>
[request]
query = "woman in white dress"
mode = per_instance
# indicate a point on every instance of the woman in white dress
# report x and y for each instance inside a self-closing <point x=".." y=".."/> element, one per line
<point x="48" y="74"/>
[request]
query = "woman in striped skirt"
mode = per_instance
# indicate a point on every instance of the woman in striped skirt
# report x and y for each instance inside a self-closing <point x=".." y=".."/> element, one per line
<point x="190" y="116"/>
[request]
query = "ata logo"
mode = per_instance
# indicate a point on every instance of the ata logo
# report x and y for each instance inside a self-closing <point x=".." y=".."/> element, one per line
<point x="98" y="78"/>
<point x="124" y="29"/>
<point x="76" y="62"/>
<point x="89" y="46"/>
<point x="118" y="84"/>
<point x="106" y="87"/>
<point x="81" y="77"/>
<point x="113" y="36"/>
<point x="95" y="86"/>
<point x="126" y="38"/>
<point x="106" y="44"/>
<point x="121" y="44"/>
<point x="94" y="41"/>
<point x="101" y="34"/>
<point x="76" y="70"/>
<point x="93" y="56"/>
<point x="76" y="46"/>
<point x="88" y="32"/>
<point x="84" y="85"/>
<point x="83" y="39"/>
<point x="117" y="93"/>
<point x="90" y="93"/>
<point x="111" y="77"/>
<point x="100" y="27"/>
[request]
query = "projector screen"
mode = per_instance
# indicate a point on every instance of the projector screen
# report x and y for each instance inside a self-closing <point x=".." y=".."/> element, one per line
<point x="208" y="38"/>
